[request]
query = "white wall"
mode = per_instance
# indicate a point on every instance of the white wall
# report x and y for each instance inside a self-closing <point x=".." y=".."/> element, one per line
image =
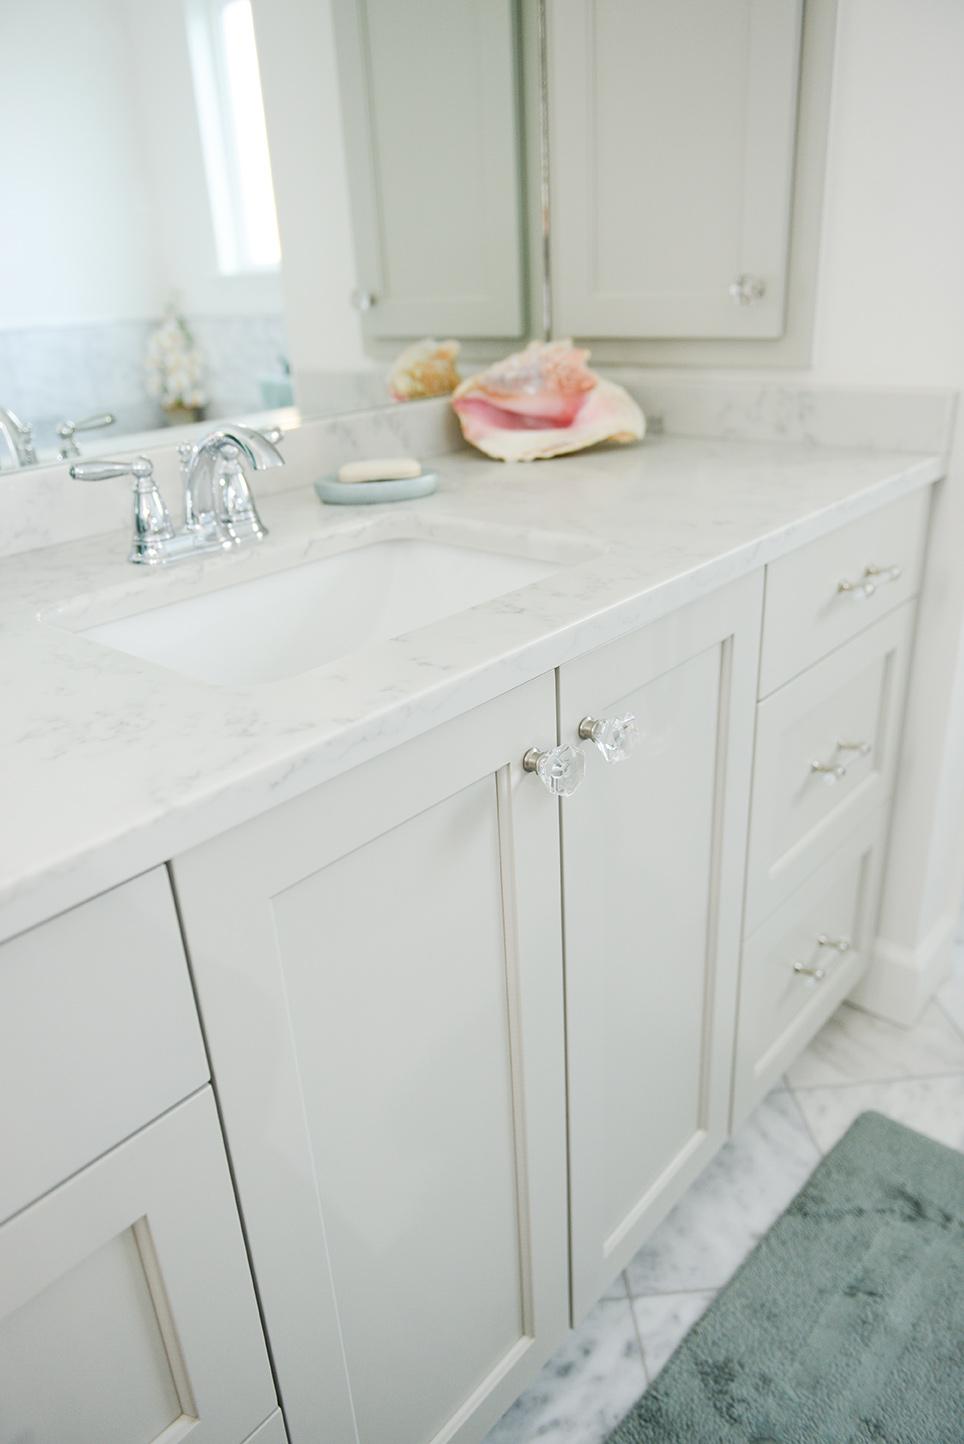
<point x="78" y="241"/>
<point x="174" y="159"/>
<point x="890" y="308"/>
<point x="299" y="80"/>
<point x="890" y="304"/>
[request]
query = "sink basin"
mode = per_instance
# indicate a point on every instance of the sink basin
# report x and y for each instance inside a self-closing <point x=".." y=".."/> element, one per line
<point x="292" y="621"/>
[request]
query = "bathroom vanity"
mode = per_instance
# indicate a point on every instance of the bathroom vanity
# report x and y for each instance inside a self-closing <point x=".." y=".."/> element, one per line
<point x="333" y="1031"/>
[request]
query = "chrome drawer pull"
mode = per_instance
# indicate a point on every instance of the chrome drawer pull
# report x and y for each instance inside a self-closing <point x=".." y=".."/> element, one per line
<point x="835" y="770"/>
<point x="803" y="971"/>
<point x="815" y="974"/>
<point x="839" y="945"/>
<point x="872" y="578"/>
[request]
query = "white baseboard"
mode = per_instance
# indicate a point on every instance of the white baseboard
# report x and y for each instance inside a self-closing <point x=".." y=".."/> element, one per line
<point x="901" y="981"/>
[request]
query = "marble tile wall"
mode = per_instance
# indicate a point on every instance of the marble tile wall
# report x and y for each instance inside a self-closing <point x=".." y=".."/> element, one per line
<point x="857" y="1062"/>
<point x="49" y="373"/>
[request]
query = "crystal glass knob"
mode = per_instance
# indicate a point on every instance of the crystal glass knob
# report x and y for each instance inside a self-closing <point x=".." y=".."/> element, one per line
<point x="559" y="769"/>
<point x="616" y="737"/>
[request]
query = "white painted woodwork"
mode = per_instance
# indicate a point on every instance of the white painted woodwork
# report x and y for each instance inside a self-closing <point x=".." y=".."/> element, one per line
<point x="805" y="615"/>
<point x="379" y="970"/>
<point x="98" y="1034"/>
<point x="127" y="1310"/>
<point x="653" y="853"/>
<point x="798" y="818"/>
<point x="434" y="164"/>
<point x="272" y="1431"/>
<point x="671" y="164"/>
<point x="780" y="1010"/>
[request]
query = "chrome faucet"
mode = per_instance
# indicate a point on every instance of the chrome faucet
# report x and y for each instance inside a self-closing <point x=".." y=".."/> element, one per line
<point x="66" y="429"/>
<point x="17" y="436"/>
<point x="219" y="510"/>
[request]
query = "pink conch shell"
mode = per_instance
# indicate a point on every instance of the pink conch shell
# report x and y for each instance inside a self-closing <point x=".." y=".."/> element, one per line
<point x="544" y="401"/>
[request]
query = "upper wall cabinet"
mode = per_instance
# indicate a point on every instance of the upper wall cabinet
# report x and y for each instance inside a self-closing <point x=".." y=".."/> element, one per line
<point x="671" y="142"/>
<point x="431" y="108"/>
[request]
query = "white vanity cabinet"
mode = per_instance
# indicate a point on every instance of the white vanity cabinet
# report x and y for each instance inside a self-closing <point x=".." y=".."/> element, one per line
<point x="127" y="1310"/>
<point x="379" y="970"/>
<point x="652" y="871"/>
<point x="671" y="182"/>
<point x="432" y="132"/>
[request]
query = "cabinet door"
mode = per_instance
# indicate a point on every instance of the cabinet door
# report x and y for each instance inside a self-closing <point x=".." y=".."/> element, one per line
<point x="379" y="971"/>
<point x="127" y="1310"/>
<point x="672" y="132"/>
<point x="653" y="852"/>
<point x="430" y="99"/>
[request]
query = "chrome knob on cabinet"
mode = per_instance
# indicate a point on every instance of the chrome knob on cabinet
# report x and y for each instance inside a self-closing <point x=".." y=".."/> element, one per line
<point x="803" y="970"/>
<point x="866" y="585"/>
<point x="746" y="289"/>
<point x="615" y="737"/>
<point x="834" y="771"/>
<point x="363" y="300"/>
<point x="560" y="769"/>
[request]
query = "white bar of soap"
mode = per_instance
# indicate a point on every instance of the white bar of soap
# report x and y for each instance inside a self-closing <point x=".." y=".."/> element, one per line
<point x="392" y="468"/>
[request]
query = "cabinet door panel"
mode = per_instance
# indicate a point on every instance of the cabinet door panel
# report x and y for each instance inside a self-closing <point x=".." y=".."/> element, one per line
<point x="379" y="969"/>
<point x="672" y="176"/>
<point x="126" y="1305"/>
<point x="652" y="858"/>
<point x="432" y="130"/>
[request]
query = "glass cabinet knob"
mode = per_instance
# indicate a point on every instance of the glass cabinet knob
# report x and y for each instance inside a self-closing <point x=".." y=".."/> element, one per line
<point x="616" y="737"/>
<point x="559" y="769"/>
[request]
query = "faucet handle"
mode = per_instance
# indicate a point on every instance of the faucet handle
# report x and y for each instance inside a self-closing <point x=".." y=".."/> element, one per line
<point x="152" y="529"/>
<point x="66" y="429"/>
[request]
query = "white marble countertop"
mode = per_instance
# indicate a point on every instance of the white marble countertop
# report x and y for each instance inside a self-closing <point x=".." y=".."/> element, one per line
<point x="110" y="765"/>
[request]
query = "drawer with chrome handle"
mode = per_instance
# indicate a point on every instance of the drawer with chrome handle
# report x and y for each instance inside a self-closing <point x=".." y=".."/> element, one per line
<point x="825" y="593"/>
<point x="826" y="753"/>
<point x="803" y="961"/>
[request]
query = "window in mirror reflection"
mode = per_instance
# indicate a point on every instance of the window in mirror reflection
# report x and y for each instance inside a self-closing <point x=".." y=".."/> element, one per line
<point x="227" y="89"/>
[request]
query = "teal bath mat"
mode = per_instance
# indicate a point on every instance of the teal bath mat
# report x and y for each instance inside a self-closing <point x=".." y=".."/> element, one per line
<point x="846" y="1323"/>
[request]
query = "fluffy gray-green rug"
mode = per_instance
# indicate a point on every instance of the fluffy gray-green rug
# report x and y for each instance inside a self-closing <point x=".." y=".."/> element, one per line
<point x="846" y="1323"/>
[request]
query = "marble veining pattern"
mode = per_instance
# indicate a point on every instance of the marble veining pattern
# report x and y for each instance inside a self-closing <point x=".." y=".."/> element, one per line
<point x="111" y="765"/>
<point x="856" y="1047"/>
<point x="676" y="1275"/>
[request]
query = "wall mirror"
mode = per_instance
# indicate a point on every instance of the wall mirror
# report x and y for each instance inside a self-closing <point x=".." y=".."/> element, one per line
<point x="226" y="208"/>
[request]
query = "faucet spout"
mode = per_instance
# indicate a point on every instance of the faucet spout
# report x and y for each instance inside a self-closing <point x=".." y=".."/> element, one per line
<point x="17" y="435"/>
<point x="217" y="499"/>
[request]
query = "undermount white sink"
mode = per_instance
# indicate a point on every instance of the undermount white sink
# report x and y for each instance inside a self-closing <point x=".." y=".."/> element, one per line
<point x="289" y="622"/>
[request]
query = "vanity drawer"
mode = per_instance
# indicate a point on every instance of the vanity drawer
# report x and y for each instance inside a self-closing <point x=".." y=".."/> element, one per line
<point x="843" y="716"/>
<point x="98" y="1034"/>
<point x="807" y="614"/>
<point x="781" y="1006"/>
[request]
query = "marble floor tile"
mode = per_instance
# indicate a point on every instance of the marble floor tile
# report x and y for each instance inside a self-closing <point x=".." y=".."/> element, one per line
<point x="950" y="996"/>
<point x="586" y="1387"/>
<point x="618" y="1289"/>
<point x="663" y="1320"/>
<point x="732" y="1203"/>
<point x="854" y="1047"/>
<point x="934" y="1106"/>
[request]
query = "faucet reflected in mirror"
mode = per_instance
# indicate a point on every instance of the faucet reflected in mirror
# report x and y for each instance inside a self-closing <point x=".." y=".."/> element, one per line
<point x="17" y="438"/>
<point x="219" y="508"/>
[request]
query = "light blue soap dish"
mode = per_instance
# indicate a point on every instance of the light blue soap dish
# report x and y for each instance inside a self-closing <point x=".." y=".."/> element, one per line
<point x="365" y="493"/>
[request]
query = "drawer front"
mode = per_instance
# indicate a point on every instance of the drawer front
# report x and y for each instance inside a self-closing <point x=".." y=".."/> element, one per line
<point x="826" y="753"/>
<point x="98" y="1034"/>
<point x="804" y="961"/>
<point x="815" y="597"/>
<point x="127" y="1310"/>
